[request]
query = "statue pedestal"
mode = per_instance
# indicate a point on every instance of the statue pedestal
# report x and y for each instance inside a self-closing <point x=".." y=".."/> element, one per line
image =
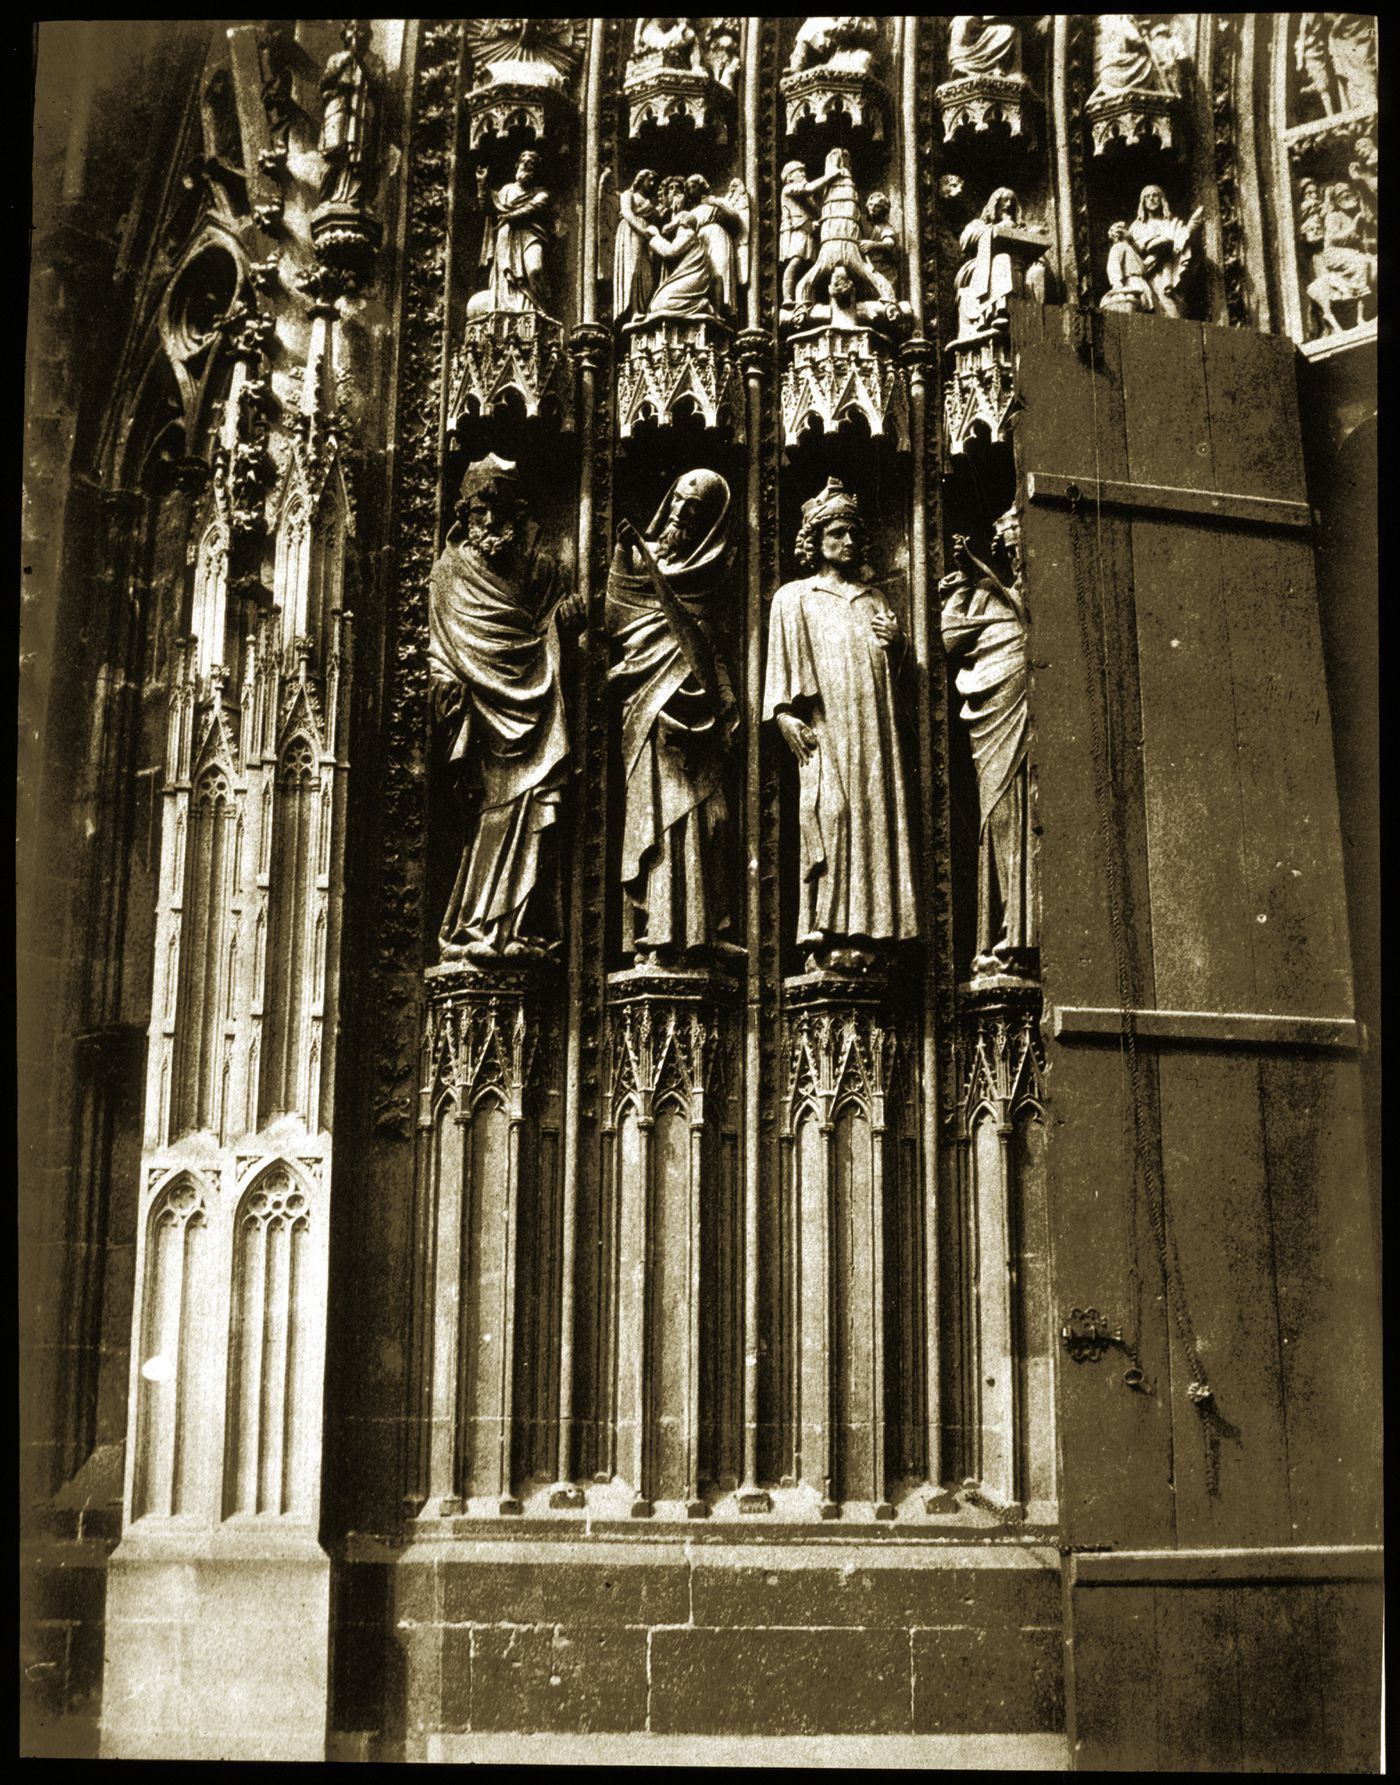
<point x="497" y="108"/>
<point x="848" y="1184"/>
<point x="674" y="366"/>
<point x="346" y="238"/>
<point x="1002" y="1138"/>
<point x="489" y="1121"/>
<point x="1135" y="120"/>
<point x="674" y="1220"/>
<point x="979" y="393"/>
<point x="833" y="374"/>
<point x="975" y="104"/>
<point x="511" y="353"/>
<point x="816" y="98"/>
<point x="660" y="96"/>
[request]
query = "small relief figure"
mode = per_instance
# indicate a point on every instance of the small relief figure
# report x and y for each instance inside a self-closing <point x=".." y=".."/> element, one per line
<point x="982" y="44"/>
<point x="1165" y="246"/>
<point x="988" y="275"/>
<point x="700" y="241"/>
<point x="667" y="43"/>
<point x="1364" y="168"/>
<point x="1129" y="58"/>
<point x="276" y="48"/>
<point x="722" y="54"/>
<point x="985" y="632"/>
<point x="797" y="236"/>
<point x="830" y="691"/>
<point x="840" y="46"/>
<point x="514" y="240"/>
<point x="678" y="718"/>
<point x="1128" y="288"/>
<point x="839" y="242"/>
<point x="880" y="242"/>
<point x="347" y="92"/>
<point x="1351" y="44"/>
<point x="493" y="654"/>
<point x="1332" y="222"/>
<point x="1335" y="54"/>
<point x="634" y="269"/>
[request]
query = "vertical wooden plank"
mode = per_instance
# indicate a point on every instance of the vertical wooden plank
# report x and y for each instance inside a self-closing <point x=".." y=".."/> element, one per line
<point x="1114" y="1657"/>
<point x="1216" y="1193"/>
<point x="1328" y="1296"/>
<point x="1214" y="1183"/>
<point x="1291" y="842"/>
<point x="1115" y="1477"/>
<point x="1281" y="1713"/>
<point x="1198" y="1684"/>
<point x="1201" y="946"/>
<point x="1349" y="1626"/>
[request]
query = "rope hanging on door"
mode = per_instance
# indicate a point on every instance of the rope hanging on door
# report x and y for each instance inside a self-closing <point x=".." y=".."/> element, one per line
<point x="1146" y="1141"/>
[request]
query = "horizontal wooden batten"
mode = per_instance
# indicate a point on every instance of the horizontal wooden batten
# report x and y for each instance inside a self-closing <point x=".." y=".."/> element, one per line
<point x="1256" y="511"/>
<point x="1213" y="1027"/>
<point x="1208" y="1566"/>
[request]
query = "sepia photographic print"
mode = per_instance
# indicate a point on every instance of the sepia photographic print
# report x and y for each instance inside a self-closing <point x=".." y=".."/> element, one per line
<point x="698" y="893"/>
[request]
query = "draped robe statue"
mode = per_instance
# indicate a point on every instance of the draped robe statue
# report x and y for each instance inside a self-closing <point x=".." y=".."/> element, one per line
<point x="1165" y="244"/>
<point x="347" y="93"/>
<point x="985" y="635"/>
<point x="495" y="672"/>
<point x="514" y="241"/>
<point x="1129" y="59"/>
<point x="678" y="717"/>
<point x="982" y="44"/>
<point x="830" y="691"/>
<point x="634" y="273"/>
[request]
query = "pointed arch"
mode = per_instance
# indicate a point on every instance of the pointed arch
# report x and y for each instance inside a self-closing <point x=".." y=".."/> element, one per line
<point x="210" y="878"/>
<point x="174" y="1349"/>
<point x="288" y="994"/>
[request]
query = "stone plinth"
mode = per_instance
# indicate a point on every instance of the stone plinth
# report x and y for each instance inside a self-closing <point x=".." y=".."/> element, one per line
<point x="489" y="1116"/>
<point x="670" y="1174"/>
<point x="840" y="1177"/>
<point x="217" y="1649"/>
<point x="671" y="367"/>
<point x="507" y="354"/>
<point x="833" y="375"/>
<point x="973" y="106"/>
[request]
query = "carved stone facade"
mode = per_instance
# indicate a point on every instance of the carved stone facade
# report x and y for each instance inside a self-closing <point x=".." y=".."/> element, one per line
<point x="644" y="635"/>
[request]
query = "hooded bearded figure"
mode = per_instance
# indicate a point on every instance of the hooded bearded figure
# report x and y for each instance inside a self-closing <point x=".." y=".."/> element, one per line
<point x="495" y="671"/>
<point x="830" y="690"/>
<point x="678" y="716"/>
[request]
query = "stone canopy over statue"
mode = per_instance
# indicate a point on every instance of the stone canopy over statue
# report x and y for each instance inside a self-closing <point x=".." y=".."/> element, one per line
<point x="985" y="633"/>
<point x="830" y="691"/>
<point x="494" y="656"/>
<point x="664" y="595"/>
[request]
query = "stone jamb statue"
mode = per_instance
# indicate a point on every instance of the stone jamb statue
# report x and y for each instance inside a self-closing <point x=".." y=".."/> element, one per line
<point x="985" y="633"/>
<point x="494" y="659"/>
<point x="679" y="716"/>
<point x="830" y="692"/>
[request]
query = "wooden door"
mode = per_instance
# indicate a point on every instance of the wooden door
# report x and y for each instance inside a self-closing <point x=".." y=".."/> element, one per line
<point x="1208" y="1189"/>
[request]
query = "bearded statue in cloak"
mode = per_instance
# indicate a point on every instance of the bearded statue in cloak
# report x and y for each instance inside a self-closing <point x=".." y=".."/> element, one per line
<point x="493" y="653"/>
<point x="985" y="633"/>
<point x="678" y="719"/>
